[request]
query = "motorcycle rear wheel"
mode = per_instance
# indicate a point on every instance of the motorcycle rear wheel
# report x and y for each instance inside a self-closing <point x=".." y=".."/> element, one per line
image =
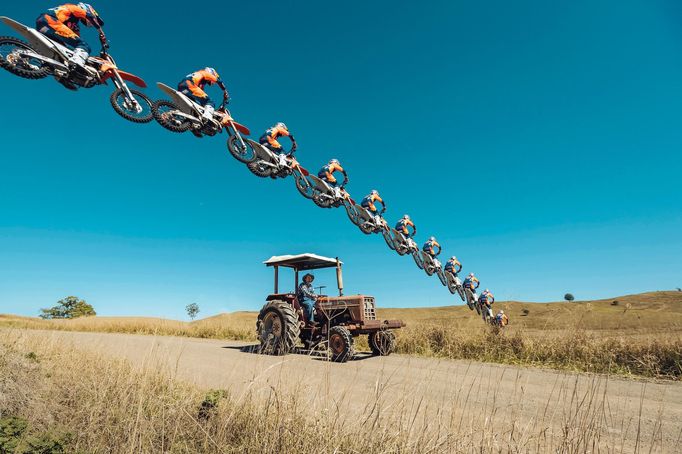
<point x="259" y="169"/>
<point x="322" y="202"/>
<point x="118" y="100"/>
<point x="31" y="69"/>
<point x="366" y="227"/>
<point x="162" y="112"/>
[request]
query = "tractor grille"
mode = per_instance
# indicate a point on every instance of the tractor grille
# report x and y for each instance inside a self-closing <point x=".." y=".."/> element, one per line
<point x="370" y="309"/>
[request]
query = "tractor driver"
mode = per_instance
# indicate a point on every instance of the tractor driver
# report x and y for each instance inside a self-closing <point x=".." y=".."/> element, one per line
<point x="307" y="298"/>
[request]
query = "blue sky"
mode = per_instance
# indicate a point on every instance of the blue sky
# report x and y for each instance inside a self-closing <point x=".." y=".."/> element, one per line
<point x="538" y="141"/>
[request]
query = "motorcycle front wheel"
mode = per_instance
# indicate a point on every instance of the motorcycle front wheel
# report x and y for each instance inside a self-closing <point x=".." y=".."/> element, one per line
<point x="441" y="276"/>
<point x="389" y="239"/>
<point x="303" y="185"/>
<point x="418" y="260"/>
<point x="12" y="61"/>
<point x="241" y="149"/>
<point x="352" y="214"/>
<point x="164" y="114"/>
<point x="137" y="112"/>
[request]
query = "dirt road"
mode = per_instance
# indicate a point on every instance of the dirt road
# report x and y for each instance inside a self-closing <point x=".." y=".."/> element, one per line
<point x="629" y="414"/>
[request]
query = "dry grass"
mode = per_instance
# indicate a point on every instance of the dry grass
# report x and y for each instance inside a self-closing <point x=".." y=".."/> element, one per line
<point x="642" y="335"/>
<point x="96" y="405"/>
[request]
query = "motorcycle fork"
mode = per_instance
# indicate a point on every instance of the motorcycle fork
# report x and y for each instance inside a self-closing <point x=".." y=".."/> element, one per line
<point x="236" y="133"/>
<point x="121" y="85"/>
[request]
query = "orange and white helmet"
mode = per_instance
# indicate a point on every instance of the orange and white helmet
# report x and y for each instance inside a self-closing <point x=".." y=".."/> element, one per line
<point x="92" y="18"/>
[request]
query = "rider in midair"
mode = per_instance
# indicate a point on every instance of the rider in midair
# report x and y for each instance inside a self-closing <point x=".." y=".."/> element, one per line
<point x="326" y="173"/>
<point x="193" y="86"/>
<point x="453" y="266"/>
<point x="369" y="203"/>
<point x="403" y="226"/>
<point x="471" y="282"/>
<point x="487" y="299"/>
<point x="430" y="247"/>
<point x="62" y="24"/>
<point x="269" y="139"/>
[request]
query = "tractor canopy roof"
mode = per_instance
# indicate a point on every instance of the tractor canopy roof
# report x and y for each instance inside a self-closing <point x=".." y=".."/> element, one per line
<point x="302" y="261"/>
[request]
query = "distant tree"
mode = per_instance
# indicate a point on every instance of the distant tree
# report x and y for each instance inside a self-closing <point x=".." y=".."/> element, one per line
<point x="525" y="312"/>
<point x="192" y="310"/>
<point x="679" y="289"/>
<point x="569" y="297"/>
<point x="69" y="307"/>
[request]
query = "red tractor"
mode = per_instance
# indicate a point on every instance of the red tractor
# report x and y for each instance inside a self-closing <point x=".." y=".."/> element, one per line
<point x="339" y="319"/>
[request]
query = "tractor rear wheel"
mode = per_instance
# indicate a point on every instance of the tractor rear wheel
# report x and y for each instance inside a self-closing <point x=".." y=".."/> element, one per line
<point x="341" y="344"/>
<point x="382" y="343"/>
<point x="278" y="328"/>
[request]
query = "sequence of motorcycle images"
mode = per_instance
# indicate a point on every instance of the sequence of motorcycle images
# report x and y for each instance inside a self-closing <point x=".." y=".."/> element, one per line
<point x="39" y="57"/>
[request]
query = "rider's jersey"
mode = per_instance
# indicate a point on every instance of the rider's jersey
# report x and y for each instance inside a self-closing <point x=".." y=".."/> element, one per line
<point x="369" y="200"/>
<point x="470" y="281"/>
<point x="486" y="298"/>
<point x="272" y="134"/>
<point x="502" y="319"/>
<point x="326" y="173"/>
<point x="402" y="226"/>
<point x="430" y="247"/>
<point x="195" y="83"/>
<point x="453" y="266"/>
<point x="69" y="15"/>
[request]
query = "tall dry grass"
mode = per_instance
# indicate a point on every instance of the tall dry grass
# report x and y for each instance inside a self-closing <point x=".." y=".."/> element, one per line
<point x="641" y="336"/>
<point x="97" y="405"/>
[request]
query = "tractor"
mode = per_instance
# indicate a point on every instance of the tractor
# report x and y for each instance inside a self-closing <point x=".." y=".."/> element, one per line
<point x="281" y="325"/>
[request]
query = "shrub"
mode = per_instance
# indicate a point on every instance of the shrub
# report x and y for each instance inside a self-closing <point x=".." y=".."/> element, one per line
<point x="614" y="303"/>
<point x="525" y="312"/>
<point x="569" y="297"/>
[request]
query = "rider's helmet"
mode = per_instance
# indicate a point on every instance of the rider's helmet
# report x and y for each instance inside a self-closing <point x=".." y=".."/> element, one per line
<point x="213" y="73"/>
<point x="486" y="291"/>
<point x="471" y="275"/>
<point x="92" y="18"/>
<point x="334" y="161"/>
<point x="282" y="125"/>
<point x="501" y="312"/>
<point x="406" y="217"/>
<point x="374" y="192"/>
<point x="453" y="258"/>
<point x="432" y="239"/>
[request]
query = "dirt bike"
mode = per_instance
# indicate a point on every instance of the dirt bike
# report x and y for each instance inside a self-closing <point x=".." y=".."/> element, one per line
<point x="486" y="312"/>
<point x="432" y="266"/>
<point x="472" y="300"/>
<point x="182" y="115"/>
<point x="374" y="223"/>
<point x="406" y="245"/>
<point x="455" y="285"/>
<point x="41" y="57"/>
<point x="273" y="165"/>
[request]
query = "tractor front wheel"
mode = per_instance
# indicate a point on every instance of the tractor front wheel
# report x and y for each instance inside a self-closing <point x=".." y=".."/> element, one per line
<point x="341" y="344"/>
<point x="278" y="328"/>
<point x="382" y="343"/>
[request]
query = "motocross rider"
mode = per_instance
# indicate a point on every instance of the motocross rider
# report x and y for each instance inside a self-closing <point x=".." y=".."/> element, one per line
<point x="307" y="297"/>
<point x="487" y="299"/>
<point x="193" y="85"/>
<point x="471" y="282"/>
<point x="369" y="203"/>
<point x="326" y="173"/>
<point x="269" y="139"/>
<point x="62" y="24"/>
<point x="453" y="266"/>
<point x="430" y="247"/>
<point x="501" y="319"/>
<point x="403" y="227"/>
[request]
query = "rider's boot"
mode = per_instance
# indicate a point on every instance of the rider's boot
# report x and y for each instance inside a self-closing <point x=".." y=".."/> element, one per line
<point x="208" y="112"/>
<point x="197" y="133"/>
<point x="78" y="59"/>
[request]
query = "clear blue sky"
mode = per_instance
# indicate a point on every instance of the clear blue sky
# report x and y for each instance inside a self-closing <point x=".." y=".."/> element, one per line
<point x="538" y="141"/>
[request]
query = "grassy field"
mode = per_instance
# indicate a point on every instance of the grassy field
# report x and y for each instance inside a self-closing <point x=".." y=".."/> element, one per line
<point x="56" y="399"/>
<point x="636" y="334"/>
